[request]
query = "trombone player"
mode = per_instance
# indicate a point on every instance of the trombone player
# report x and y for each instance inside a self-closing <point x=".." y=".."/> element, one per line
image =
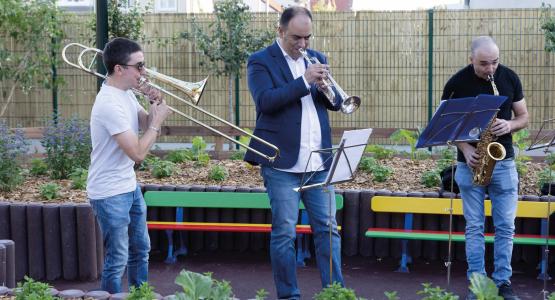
<point x="291" y="113"/>
<point x="112" y="188"/>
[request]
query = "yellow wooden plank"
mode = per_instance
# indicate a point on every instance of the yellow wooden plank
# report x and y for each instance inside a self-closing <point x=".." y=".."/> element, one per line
<point x="525" y="209"/>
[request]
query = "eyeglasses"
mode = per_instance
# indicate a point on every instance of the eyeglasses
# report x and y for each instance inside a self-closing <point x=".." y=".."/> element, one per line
<point x="140" y="65"/>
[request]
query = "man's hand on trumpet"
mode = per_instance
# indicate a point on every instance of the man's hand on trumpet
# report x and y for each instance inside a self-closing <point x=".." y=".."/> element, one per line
<point x="317" y="74"/>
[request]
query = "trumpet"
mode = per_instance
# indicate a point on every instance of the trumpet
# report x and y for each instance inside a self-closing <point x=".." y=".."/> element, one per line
<point x="348" y="103"/>
<point x="193" y="90"/>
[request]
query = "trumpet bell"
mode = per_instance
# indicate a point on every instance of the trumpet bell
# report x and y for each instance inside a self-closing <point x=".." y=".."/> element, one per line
<point x="193" y="90"/>
<point x="350" y="105"/>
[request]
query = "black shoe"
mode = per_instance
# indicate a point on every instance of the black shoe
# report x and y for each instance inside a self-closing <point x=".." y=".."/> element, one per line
<point x="506" y="291"/>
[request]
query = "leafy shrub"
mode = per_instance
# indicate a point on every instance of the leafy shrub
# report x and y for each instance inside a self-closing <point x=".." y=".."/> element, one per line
<point x="550" y="159"/>
<point x="521" y="167"/>
<point x="380" y="152"/>
<point x="12" y="148"/>
<point x="79" y="178"/>
<point x="430" y="178"/>
<point x="218" y="173"/>
<point x="38" y="167"/>
<point x="179" y="156"/>
<point x="49" y="191"/>
<point x="447" y="154"/>
<point x="202" y="286"/>
<point x="33" y="290"/>
<point x="381" y="173"/>
<point x="336" y="292"/>
<point x="162" y="168"/>
<point x="519" y="139"/>
<point x="367" y="164"/>
<point x="145" y="291"/>
<point x="435" y="293"/>
<point x="148" y="162"/>
<point x="483" y="287"/>
<point x="68" y="146"/>
<point x="443" y="163"/>
<point x="406" y="136"/>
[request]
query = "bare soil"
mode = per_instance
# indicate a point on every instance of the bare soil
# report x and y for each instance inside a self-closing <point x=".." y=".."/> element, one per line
<point x="406" y="178"/>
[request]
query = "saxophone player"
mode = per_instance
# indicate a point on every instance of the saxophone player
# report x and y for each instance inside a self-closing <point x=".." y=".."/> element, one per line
<point x="485" y="75"/>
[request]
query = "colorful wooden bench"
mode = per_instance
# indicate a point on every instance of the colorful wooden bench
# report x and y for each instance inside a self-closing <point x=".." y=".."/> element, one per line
<point x="440" y="206"/>
<point x="232" y="200"/>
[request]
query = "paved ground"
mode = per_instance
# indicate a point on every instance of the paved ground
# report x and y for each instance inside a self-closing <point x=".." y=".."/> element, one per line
<point x="249" y="272"/>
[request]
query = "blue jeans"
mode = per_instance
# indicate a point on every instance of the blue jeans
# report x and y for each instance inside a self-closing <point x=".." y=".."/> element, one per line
<point x="122" y="219"/>
<point x="285" y="211"/>
<point x="503" y="193"/>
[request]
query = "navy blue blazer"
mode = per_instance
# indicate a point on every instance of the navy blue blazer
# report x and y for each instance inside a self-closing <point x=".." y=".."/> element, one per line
<point x="277" y="97"/>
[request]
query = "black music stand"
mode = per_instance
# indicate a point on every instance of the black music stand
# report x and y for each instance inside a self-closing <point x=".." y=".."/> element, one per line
<point x="459" y="120"/>
<point x="544" y="139"/>
<point x="343" y="169"/>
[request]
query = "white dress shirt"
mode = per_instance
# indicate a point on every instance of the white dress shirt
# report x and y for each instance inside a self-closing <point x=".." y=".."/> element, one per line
<point x="311" y="137"/>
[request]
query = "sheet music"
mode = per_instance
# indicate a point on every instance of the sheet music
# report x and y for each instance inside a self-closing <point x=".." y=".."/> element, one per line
<point x="354" y="154"/>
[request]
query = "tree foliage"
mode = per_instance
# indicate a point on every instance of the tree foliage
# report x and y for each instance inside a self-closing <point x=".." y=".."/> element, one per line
<point x="228" y="41"/>
<point x="34" y="26"/>
<point x="123" y="21"/>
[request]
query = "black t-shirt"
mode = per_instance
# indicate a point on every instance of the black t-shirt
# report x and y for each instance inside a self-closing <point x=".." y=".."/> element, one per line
<point x="465" y="83"/>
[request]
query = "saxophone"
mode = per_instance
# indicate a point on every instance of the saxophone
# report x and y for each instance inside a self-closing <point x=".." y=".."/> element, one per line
<point x="488" y="150"/>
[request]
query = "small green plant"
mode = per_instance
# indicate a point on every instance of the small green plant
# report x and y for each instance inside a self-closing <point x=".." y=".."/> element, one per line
<point x="381" y="173"/>
<point x="406" y="136"/>
<point x="391" y="295"/>
<point x="336" y="292"/>
<point x="162" y="168"/>
<point x="422" y="154"/>
<point x="551" y="296"/>
<point x="218" y="173"/>
<point x="143" y="292"/>
<point x="79" y="178"/>
<point x="380" y="152"/>
<point x="545" y="176"/>
<point x="148" y="162"/>
<point x="202" y="286"/>
<point x="367" y="164"/>
<point x="261" y="294"/>
<point x="33" y="290"/>
<point x="435" y="293"/>
<point x="483" y="287"/>
<point x="38" y="167"/>
<point x="550" y="159"/>
<point x="179" y="156"/>
<point x="519" y="140"/>
<point x="49" y="191"/>
<point x="200" y="156"/>
<point x="430" y="178"/>
<point x="237" y="155"/>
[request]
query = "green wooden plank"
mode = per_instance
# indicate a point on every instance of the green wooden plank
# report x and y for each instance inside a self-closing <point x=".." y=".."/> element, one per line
<point x="214" y="199"/>
<point x="454" y="237"/>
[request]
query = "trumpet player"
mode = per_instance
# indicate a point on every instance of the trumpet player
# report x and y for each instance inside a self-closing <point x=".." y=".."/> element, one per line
<point x="292" y="113"/>
<point x="485" y="75"/>
<point x="112" y="188"/>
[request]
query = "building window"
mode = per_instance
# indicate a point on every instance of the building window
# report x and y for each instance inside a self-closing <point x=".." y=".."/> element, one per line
<point x="166" y="5"/>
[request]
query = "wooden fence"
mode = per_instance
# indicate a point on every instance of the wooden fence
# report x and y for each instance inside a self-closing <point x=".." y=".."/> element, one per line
<point x="383" y="57"/>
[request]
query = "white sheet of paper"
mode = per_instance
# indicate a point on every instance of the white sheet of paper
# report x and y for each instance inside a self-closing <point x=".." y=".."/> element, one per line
<point x="351" y="138"/>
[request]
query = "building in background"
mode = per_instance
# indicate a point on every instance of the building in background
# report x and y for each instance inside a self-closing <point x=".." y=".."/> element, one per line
<point x="207" y="6"/>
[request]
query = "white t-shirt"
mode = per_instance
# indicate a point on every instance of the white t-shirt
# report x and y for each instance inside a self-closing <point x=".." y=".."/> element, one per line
<point x="111" y="172"/>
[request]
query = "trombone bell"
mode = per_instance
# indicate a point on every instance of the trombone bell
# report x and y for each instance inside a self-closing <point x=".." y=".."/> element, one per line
<point x="192" y="89"/>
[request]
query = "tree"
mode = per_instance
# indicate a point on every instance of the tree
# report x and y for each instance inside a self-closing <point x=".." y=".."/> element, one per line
<point x="123" y="21"/>
<point x="229" y="41"/>
<point x="34" y="27"/>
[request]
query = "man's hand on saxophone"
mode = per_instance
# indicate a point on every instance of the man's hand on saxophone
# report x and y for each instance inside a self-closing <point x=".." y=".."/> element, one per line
<point x="469" y="153"/>
<point x="501" y="127"/>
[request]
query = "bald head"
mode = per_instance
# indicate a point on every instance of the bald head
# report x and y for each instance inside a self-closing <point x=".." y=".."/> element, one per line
<point x="482" y="43"/>
<point x="484" y="56"/>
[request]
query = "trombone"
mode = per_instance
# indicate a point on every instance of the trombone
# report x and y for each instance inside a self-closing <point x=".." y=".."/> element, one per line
<point x="193" y="90"/>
